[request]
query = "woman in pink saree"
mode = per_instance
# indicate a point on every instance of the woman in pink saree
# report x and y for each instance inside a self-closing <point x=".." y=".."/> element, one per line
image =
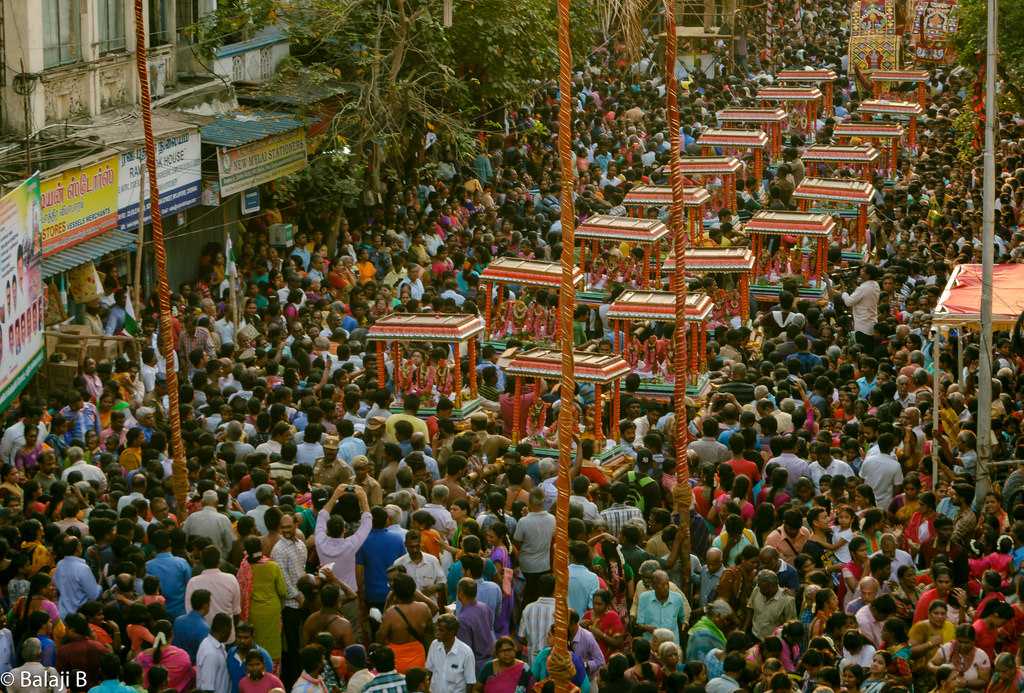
<point x="505" y="673"/>
<point x="181" y="674"/>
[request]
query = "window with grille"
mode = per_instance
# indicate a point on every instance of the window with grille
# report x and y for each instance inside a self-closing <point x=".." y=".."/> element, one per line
<point x="187" y="18"/>
<point x="62" y="32"/>
<point x="110" y="16"/>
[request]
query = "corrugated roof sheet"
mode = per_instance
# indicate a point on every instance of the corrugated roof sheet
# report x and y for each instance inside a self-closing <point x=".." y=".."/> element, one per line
<point x="237" y="129"/>
<point x="87" y="251"/>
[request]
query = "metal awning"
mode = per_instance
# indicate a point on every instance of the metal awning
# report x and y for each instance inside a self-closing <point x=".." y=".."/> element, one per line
<point x="87" y="251"/>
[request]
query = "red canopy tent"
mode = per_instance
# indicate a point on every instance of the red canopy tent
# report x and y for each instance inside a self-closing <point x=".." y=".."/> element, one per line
<point x="960" y="302"/>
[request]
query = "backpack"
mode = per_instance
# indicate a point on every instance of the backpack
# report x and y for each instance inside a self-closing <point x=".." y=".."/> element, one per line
<point x="639" y="492"/>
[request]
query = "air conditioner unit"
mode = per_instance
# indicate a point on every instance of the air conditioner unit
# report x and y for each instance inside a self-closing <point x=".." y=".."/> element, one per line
<point x="281" y="235"/>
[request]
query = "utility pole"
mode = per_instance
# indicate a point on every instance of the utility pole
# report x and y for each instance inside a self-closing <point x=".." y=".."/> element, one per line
<point x="987" y="235"/>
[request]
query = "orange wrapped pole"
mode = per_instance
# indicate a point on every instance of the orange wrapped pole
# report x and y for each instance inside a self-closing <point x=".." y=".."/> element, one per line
<point x="598" y="433"/>
<point x="382" y="371"/>
<point x="517" y="407"/>
<point x="486" y="288"/>
<point x="614" y="423"/>
<point x="179" y="467"/>
<point x="679" y="233"/>
<point x="560" y="664"/>
<point x="457" y="356"/>
<point x="472" y="368"/>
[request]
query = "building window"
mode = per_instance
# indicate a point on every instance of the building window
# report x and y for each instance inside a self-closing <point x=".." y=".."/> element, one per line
<point x="62" y="32"/>
<point x="110" y="14"/>
<point x="159" y="22"/>
<point x="188" y="16"/>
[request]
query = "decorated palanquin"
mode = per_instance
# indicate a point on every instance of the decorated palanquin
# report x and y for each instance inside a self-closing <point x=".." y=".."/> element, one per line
<point x="651" y="356"/>
<point x="425" y="353"/>
<point x="778" y="241"/>
<point x="882" y="82"/>
<point x="604" y="371"/>
<point x="822" y="79"/>
<point x="716" y="175"/>
<point x="769" y="120"/>
<point x="862" y="159"/>
<point x="731" y="270"/>
<point x="736" y="143"/>
<point x="802" y="103"/>
<point x="897" y="110"/>
<point x="524" y="300"/>
<point x="847" y="201"/>
<point x="653" y="201"/>
<point x="634" y="242"/>
<point x="885" y="137"/>
<point x="933" y="30"/>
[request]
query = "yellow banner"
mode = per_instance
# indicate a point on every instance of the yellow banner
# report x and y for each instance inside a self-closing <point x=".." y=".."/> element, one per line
<point x="262" y="161"/>
<point x="79" y="204"/>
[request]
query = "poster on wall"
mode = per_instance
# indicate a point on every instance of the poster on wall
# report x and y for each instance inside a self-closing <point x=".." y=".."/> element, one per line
<point x="260" y="162"/>
<point x="935" y="24"/>
<point x="78" y="204"/>
<point x="23" y="298"/>
<point x="178" y="174"/>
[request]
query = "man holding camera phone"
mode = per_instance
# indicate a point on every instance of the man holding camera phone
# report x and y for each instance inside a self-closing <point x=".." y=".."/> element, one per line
<point x="333" y="547"/>
<point x="863" y="303"/>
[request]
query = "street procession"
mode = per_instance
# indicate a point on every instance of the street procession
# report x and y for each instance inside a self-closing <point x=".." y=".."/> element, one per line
<point x="561" y="346"/>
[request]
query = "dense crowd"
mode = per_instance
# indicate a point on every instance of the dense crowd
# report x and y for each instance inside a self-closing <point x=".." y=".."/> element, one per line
<point x="336" y="539"/>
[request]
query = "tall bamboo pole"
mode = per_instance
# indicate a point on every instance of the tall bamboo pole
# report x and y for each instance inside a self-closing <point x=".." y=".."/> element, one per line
<point x="679" y="234"/>
<point x="179" y="469"/>
<point x="560" y="663"/>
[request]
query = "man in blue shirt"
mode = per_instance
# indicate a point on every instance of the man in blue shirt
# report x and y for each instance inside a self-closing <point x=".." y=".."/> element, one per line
<point x="73" y="579"/>
<point x="660" y="608"/>
<point x="245" y="642"/>
<point x="110" y="669"/>
<point x="172" y="572"/>
<point x="373" y="559"/>
<point x="866" y="382"/>
<point x="582" y="581"/>
<point x="191" y="629"/>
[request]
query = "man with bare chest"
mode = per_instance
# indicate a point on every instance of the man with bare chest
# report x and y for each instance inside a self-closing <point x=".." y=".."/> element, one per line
<point x="328" y="620"/>
<point x="406" y="625"/>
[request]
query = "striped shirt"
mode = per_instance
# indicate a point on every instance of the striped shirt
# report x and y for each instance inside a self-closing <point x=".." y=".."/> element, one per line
<point x="291" y="556"/>
<point x="391" y="682"/>
<point x="535" y="625"/>
<point x="618" y="516"/>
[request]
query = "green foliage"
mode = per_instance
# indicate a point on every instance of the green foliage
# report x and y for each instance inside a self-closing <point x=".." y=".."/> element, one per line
<point x="333" y="178"/>
<point x="409" y="75"/>
<point x="231" y="22"/>
<point x="970" y="41"/>
<point x="964" y="126"/>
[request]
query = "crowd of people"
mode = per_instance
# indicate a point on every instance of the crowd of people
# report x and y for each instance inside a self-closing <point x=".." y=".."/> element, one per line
<point x="337" y="539"/>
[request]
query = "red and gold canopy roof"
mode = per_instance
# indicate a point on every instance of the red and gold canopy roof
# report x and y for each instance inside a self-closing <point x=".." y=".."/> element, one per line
<point x="511" y="270"/>
<point x="891" y="130"/>
<point x="896" y="108"/>
<point x="661" y="196"/>
<point x="913" y="76"/>
<point x="713" y="260"/>
<point x="752" y="115"/>
<point x="707" y="165"/>
<point x="807" y="76"/>
<point x="836" y="190"/>
<point x="835" y="153"/>
<point x="547" y="363"/>
<point x="603" y="227"/>
<point x="755" y="139"/>
<point x="788" y="94"/>
<point x="427" y="327"/>
<point x="790" y="223"/>
<point x="659" y="306"/>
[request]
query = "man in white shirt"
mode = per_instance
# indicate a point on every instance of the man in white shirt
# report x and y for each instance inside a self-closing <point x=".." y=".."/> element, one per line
<point x="824" y="464"/>
<point x="863" y="302"/>
<point x="882" y="472"/>
<point x="421" y="567"/>
<point x="14" y="437"/>
<point x="449" y="660"/>
<point x="212" y="659"/>
<point x="77" y="463"/>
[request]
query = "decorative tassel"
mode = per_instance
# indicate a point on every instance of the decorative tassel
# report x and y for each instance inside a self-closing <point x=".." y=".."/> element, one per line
<point x="448" y="12"/>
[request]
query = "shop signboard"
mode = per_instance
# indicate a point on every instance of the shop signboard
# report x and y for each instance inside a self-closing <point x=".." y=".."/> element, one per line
<point x="78" y="204"/>
<point x="23" y="301"/>
<point x="260" y="162"/>
<point x="178" y="175"/>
